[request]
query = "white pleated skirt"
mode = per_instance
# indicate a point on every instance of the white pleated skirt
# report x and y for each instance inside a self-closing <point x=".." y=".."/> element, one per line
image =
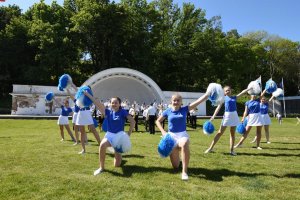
<point x="255" y="119"/>
<point x="74" y="117"/>
<point x="266" y="119"/>
<point x="230" y="119"/>
<point x="180" y="136"/>
<point x="84" y="117"/>
<point x="63" y="120"/>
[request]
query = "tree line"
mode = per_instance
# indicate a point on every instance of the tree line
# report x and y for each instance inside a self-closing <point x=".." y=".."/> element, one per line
<point x="177" y="46"/>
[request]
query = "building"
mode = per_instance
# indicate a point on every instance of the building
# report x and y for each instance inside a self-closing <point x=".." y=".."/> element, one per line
<point x="125" y="83"/>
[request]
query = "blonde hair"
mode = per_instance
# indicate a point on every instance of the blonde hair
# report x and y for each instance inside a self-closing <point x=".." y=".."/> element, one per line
<point x="176" y="95"/>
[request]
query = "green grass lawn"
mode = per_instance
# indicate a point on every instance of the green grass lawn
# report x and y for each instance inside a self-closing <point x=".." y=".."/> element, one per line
<point x="36" y="165"/>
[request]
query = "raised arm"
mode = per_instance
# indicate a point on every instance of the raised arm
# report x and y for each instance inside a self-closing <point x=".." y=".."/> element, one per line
<point x="71" y="96"/>
<point x="99" y="105"/>
<point x="158" y="124"/>
<point x="216" y="112"/>
<point x="243" y="92"/>
<point x="263" y="93"/>
<point x="201" y="99"/>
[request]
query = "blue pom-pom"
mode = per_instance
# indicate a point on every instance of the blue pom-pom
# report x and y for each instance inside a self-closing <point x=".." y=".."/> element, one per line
<point x="166" y="145"/>
<point x="64" y="82"/>
<point x="82" y="100"/>
<point x="208" y="128"/>
<point x="49" y="97"/>
<point x="241" y="129"/>
<point x="104" y="125"/>
<point x="270" y="86"/>
<point x="95" y="122"/>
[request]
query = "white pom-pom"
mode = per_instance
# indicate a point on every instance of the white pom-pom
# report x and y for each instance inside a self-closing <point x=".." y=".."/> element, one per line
<point x="216" y="94"/>
<point x="121" y="143"/>
<point x="255" y="88"/>
<point x="278" y="93"/>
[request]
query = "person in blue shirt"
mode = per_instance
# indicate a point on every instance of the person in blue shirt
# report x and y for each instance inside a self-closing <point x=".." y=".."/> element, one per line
<point x="176" y="115"/>
<point x="63" y="120"/>
<point x="230" y="119"/>
<point x="116" y="117"/>
<point x="252" y="109"/>
<point x="264" y="107"/>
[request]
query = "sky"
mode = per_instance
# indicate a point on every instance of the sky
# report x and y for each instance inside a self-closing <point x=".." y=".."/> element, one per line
<point x="277" y="17"/>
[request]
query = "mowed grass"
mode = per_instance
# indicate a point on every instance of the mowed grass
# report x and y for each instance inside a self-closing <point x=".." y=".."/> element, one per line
<point x="36" y="165"/>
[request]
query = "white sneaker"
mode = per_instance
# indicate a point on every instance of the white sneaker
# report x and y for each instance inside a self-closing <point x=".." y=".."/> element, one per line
<point x="259" y="148"/>
<point x="62" y="140"/>
<point x="76" y="143"/>
<point x="268" y="142"/>
<point x="98" y="171"/>
<point x="253" y="141"/>
<point x="184" y="177"/>
<point x="233" y="153"/>
<point x="208" y="151"/>
<point x="81" y="152"/>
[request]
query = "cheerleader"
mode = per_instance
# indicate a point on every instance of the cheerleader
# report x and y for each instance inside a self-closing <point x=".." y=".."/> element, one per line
<point x="230" y="119"/>
<point x="264" y="107"/>
<point x="63" y="120"/>
<point x="116" y="117"/>
<point x="176" y="116"/>
<point x="252" y="109"/>
<point x="84" y="118"/>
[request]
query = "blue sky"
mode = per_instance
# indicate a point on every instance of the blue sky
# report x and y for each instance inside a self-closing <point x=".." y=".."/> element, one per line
<point x="278" y="17"/>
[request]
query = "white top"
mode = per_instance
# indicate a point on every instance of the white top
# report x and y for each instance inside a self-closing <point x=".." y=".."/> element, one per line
<point x="151" y="110"/>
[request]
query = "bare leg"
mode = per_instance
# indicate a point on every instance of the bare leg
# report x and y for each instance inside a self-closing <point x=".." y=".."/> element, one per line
<point x="117" y="159"/>
<point x="185" y="155"/>
<point x="76" y="133"/>
<point x="248" y="129"/>
<point x="102" y="152"/>
<point x="174" y="157"/>
<point x="61" y="128"/>
<point x="216" y="138"/>
<point x="96" y="134"/>
<point x="70" y="132"/>
<point x="82" y="131"/>
<point x="232" y="139"/>
<point x="266" y="127"/>
<point x="258" y="133"/>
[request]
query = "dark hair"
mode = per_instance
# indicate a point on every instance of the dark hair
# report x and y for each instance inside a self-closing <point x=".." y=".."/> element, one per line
<point x="118" y="98"/>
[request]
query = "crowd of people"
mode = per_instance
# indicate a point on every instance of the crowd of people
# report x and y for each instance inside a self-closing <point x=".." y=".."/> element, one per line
<point x="178" y="116"/>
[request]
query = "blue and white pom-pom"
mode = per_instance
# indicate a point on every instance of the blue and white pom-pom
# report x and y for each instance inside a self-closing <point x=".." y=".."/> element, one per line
<point x="216" y="94"/>
<point x="255" y="88"/>
<point x="65" y="81"/>
<point x="241" y="129"/>
<point x="81" y="99"/>
<point x="49" y="97"/>
<point x="270" y="86"/>
<point x="208" y="128"/>
<point x="95" y="122"/>
<point x="104" y="125"/>
<point x="278" y="93"/>
<point x="166" y="145"/>
<point x="121" y="143"/>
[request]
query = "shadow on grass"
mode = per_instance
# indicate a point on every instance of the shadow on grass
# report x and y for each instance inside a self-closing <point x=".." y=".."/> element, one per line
<point x="126" y="156"/>
<point x="287" y="149"/>
<point x="286" y="142"/>
<point x="269" y="155"/>
<point x="128" y="170"/>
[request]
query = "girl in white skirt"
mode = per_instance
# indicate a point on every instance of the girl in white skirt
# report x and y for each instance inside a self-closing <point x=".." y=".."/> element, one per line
<point x="252" y="109"/>
<point x="264" y="107"/>
<point x="63" y="120"/>
<point x="84" y="118"/>
<point x="116" y="117"/>
<point x="230" y="119"/>
<point x="176" y="116"/>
